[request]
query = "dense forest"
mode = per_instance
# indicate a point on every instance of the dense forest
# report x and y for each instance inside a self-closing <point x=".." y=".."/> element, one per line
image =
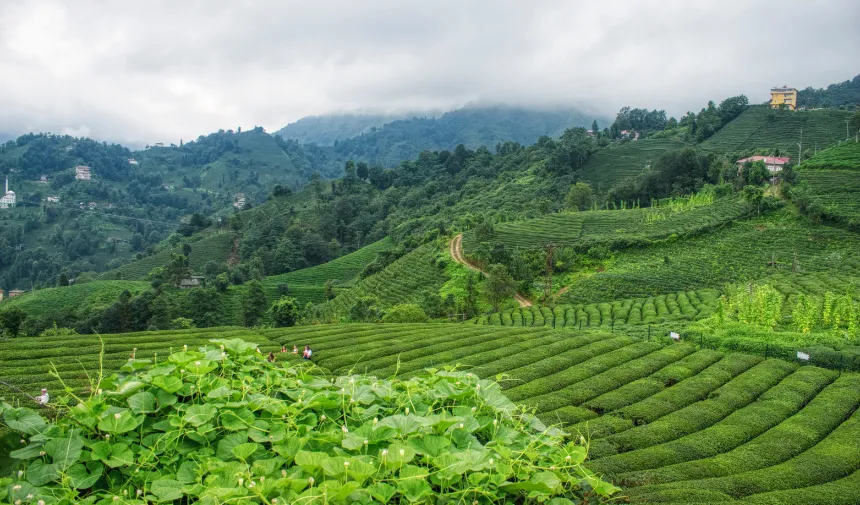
<point x="844" y="94"/>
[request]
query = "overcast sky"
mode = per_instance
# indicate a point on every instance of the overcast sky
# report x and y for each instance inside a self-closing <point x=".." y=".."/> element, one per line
<point x="146" y="71"/>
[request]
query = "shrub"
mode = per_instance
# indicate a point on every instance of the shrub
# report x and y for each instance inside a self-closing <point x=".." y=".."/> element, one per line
<point x="405" y="313"/>
<point x="285" y="312"/>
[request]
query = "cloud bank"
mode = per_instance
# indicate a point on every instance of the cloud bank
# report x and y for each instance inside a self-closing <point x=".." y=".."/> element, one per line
<point x="159" y="71"/>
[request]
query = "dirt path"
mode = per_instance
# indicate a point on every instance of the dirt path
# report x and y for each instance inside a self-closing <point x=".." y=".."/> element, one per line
<point x="456" y="250"/>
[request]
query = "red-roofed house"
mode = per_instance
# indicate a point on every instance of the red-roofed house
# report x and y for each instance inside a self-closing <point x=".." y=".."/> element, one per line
<point x="772" y="163"/>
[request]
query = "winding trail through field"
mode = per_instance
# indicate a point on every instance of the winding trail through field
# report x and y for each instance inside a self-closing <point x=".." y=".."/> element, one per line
<point x="456" y="250"/>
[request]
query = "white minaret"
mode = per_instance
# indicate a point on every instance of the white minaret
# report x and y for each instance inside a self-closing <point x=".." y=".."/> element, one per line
<point x="7" y="185"/>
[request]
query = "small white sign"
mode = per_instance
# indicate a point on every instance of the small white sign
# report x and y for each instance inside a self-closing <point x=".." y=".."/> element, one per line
<point x="803" y="356"/>
<point x="674" y="336"/>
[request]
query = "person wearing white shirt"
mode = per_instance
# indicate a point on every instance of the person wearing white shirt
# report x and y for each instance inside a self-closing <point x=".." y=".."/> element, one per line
<point x="43" y="399"/>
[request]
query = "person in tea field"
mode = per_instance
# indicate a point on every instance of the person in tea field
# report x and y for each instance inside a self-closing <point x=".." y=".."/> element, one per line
<point x="271" y="357"/>
<point x="43" y="398"/>
<point x="283" y="348"/>
<point x="307" y="353"/>
<point x="295" y="350"/>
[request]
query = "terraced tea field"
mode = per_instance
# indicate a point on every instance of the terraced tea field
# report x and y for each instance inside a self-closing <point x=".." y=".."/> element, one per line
<point x="682" y="306"/>
<point x="672" y="424"/>
<point x="608" y="167"/>
<point x="838" y="192"/>
<point x="761" y="127"/>
<point x="53" y="302"/>
<point x="744" y="251"/>
<point x="610" y="226"/>
<point x="844" y="156"/>
<point x="215" y="248"/>
<point x="404" y="281"/>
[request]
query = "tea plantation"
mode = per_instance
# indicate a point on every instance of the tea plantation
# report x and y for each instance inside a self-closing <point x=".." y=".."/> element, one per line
<point x="669" y="422"/>
<point x="762" y="127"/>
<point x="608" y="167"/>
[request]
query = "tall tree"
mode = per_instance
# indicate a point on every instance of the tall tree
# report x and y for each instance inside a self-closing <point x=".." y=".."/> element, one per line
<point x="285" y="312"/>
<point x="499" y="285"/>
<point x="253" y="304"/>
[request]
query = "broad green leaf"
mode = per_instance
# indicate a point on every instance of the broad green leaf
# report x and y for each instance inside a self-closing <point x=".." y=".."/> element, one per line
<point x="116" y="421"/>
<point x="100" y="451"/>
<point x="220" y="392"/>
<point x="82" y="477"/>
<point x="397" y="454"/>
<point x="382" y="492"/>
<point x="126" y="388"/>
<point x="414" y="489"/>
<point x="237" y="419"/>
<point x="226" y="445"/>
<point x="29" y="452"/>
<point x="549" y="479"/>
<point x="65" y="451"/>
<point x="169" y="383"/>
<point x="24" y="420"/>
<point x="559" y="501"/>
<point x="143" y="402"/>
<point x="187" y="473"/>
<point x="167" y="490"/>
<point x="38" y="473"/>
<point x="165" y="399"/>
<point x="120" y="455"/>
<point x="246" y="450"/>
<point x="200" y="367"/>
<point x="335" y="466"/>
<point x="311" y="460"/>
<point x="404" y="425"/>
<point x="360" y="470"/>
<point x="430" y="445"/>
<point x="199" y="414"/>
<point x="184" y="357"/>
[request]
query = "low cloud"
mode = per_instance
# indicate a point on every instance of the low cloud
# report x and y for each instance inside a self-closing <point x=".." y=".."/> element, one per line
<point x="159" y="71"/>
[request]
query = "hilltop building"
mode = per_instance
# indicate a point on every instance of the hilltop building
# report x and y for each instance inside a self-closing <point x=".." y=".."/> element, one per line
<point x="82" y="173"/>
<point x="15" y="292"/>
<point x="43" y="180"/>
<point x="783" y="96"/>
<point x="9" y="198"/>
<point x="772" y="163"/>
<point x="192" y="282"/>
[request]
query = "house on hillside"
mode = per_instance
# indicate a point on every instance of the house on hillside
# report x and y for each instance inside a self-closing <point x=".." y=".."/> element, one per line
<point x="15" y="292"/>
<point x="53" y="199"/>
<point x="82" y="173"/>
<point x="239" y="201"/>
<point x="773" y="164"/>
<point x="43" y="179"/>
<point x="783" y="96"/>
<point x="132" y="161"/>
<point x="194" y="281"/>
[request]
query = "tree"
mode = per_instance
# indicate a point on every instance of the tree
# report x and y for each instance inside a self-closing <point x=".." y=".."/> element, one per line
<point x="365" y="310"/>
<point x="754" y="195"/>
<point x="499" y="285"/>
<point x="160" y="313"/>
<point x="362" y="171"/>
<point x="285" y="312"/>
<point x="580" y="196"/>
<point x="203" y="305"/>
<point x="470" y="303"/>
<point x="253" y="304"/>
<point x="186" y="249"/>
<point x="594" y="127"/>
<point x="222" y="282"/>
<point x="11" y="320"/>
<point x="329" y="290"/>
<point x="178" y="269"/>
<point x="63" y="280"/>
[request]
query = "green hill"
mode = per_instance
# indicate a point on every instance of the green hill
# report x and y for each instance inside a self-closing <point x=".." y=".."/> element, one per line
<point x="55" y="302"/>
<point x="669" y="422"/>
<point x="325" y="130"/>
<point x="760" y="127"/>
<point x="608" y="167"/>
<point x="843" y="156"/>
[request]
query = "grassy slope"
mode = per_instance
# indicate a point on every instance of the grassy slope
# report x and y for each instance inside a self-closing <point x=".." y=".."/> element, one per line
<point x="833" y="180"/>
<point x="608" y="167"/>
<point x="762" y="127"/>
<point x="844" y="156"/>
<point x="45" y="302"/>
<point x="671" y="423"/>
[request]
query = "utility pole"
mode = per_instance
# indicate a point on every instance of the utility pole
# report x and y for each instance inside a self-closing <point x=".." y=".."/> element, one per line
<point x="846" y="129"/>
<point x="800" y="147"/>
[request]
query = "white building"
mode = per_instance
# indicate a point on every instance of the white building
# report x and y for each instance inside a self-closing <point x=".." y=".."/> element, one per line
<point x="132" y="161"/>
<point x="82" y="173"/>
<point x="239" y="201"/>
<point x="8" y="199"/>
<point x="53" y="199"/>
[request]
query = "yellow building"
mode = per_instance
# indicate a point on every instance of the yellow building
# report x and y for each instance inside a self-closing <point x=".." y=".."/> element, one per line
<point x="783" y="96"/>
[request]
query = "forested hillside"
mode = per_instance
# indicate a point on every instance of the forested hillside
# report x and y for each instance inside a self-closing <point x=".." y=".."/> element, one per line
<point x="325" y="130"/>
<point x="843" y="94"/>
